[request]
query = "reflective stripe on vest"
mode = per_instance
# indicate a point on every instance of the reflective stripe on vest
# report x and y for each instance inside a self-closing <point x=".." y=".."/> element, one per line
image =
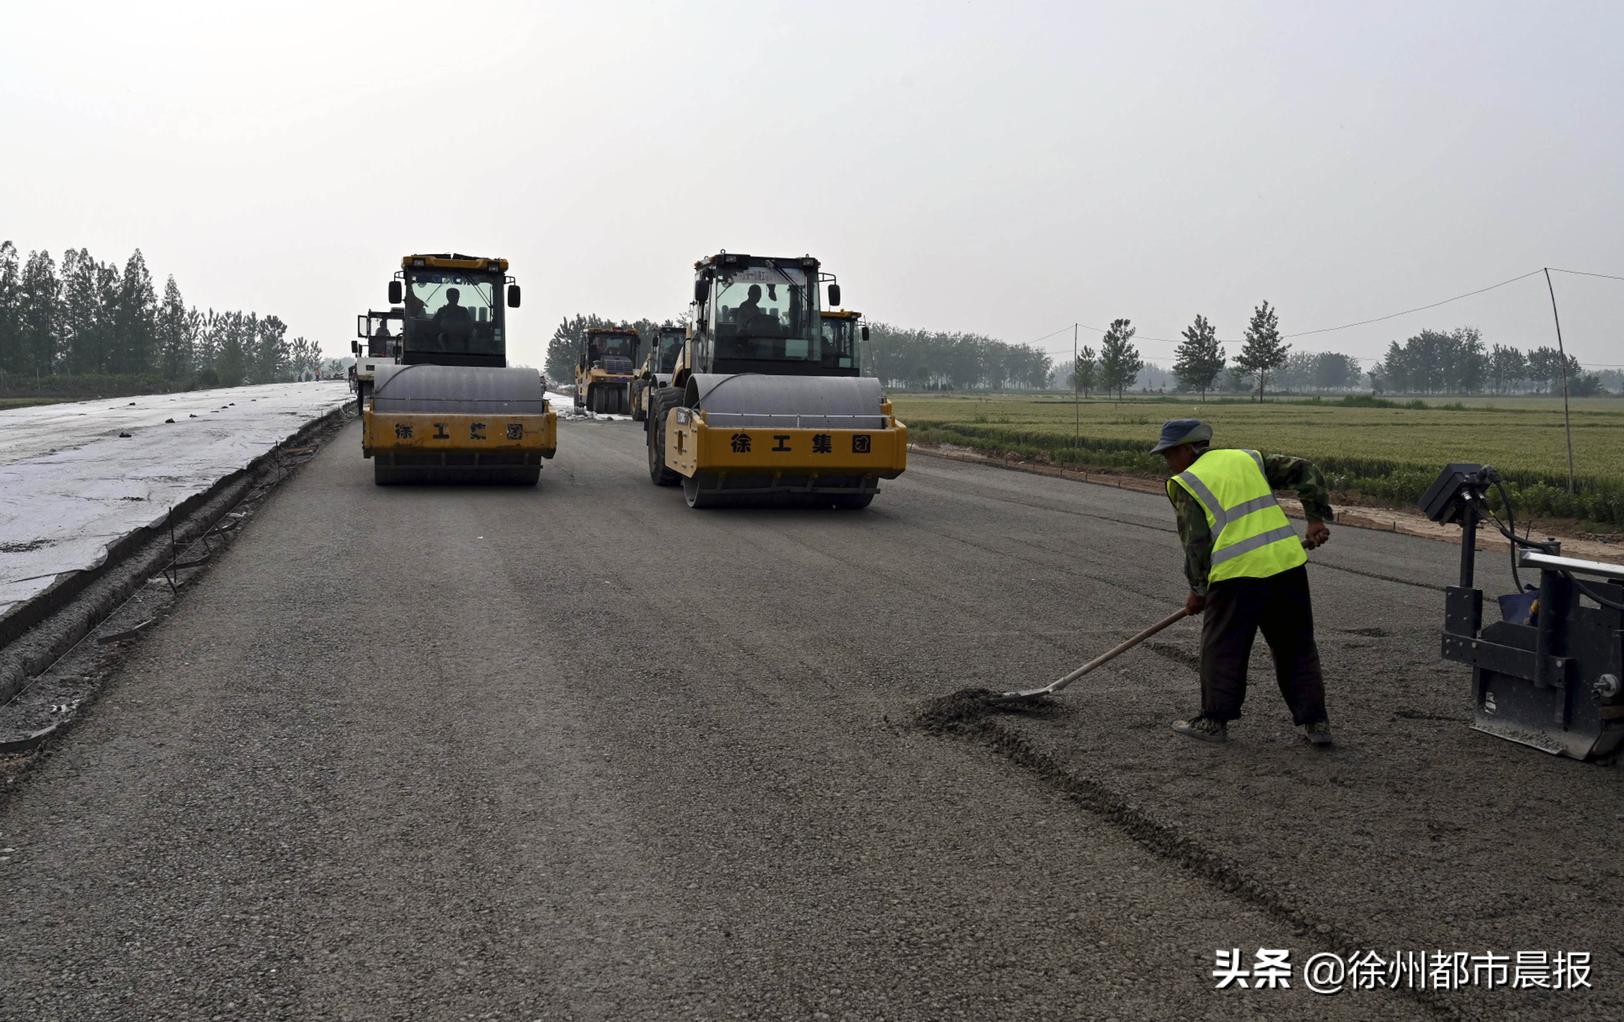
<point x="1251" y="537"/>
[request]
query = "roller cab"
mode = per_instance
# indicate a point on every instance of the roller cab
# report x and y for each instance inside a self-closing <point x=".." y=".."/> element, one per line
<point x="452" y="410"/>
<point x="378" y="345"/>
<point x="655" y="372"/>
<point x="768" y="404"/>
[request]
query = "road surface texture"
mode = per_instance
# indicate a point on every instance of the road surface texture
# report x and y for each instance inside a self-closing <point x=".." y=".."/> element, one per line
<point x="579" y="752"/>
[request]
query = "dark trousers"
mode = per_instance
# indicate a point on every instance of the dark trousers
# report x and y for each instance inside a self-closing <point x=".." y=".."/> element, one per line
<point x="1236" y="609"/>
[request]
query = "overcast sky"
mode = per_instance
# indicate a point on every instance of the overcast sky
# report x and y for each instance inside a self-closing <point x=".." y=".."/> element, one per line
<point x="1008" y="168"/>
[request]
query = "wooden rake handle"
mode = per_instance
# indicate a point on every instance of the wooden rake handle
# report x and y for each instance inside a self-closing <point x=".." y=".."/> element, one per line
<point x="1119" y="649"/>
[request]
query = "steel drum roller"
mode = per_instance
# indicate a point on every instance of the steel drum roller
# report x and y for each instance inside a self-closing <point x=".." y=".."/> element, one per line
<point x="458" y="390"/>
<point x="797" y="402"/>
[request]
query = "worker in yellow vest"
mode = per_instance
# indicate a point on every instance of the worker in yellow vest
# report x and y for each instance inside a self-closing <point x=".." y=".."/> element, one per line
<point x="1247" y="572"/>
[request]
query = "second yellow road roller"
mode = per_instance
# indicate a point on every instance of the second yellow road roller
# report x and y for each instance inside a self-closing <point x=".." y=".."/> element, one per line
<point x="763" y="406"/>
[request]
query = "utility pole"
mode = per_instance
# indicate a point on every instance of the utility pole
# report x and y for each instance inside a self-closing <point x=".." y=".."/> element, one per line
<point x="1076" y="398"/>
<point x="1567" y="421"/>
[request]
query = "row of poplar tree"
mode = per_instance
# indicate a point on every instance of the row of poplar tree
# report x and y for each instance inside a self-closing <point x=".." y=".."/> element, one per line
<point x="1430" y="362"/>
<point x="87" y="324"/>
<point x="1197" y="363"/>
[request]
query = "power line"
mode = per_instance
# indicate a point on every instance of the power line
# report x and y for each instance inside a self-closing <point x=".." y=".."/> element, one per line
<point x="1586" y="273"/>
<point x="1046" y="336"/>
<point x="1419" y="308"/>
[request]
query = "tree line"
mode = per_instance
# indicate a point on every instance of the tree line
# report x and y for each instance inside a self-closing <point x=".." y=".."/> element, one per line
<point x="1430" y="362"/>
<point x="1458" y="362"/>
<point x="901" y="358"/>
<point x="905" y="359"/>
<point x="91" y="324"/>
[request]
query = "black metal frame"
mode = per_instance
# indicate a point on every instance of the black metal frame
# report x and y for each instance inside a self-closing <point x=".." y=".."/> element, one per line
<point x="1552" y="682"/>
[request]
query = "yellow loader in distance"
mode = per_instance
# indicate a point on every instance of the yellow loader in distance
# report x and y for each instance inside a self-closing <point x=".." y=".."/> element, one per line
<point x="604" y="370"/>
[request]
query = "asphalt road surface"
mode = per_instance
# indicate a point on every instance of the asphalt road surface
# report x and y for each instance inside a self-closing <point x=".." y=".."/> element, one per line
<point x="580" y="752"/>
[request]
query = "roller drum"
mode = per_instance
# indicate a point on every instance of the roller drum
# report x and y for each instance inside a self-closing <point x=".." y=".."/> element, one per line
<point x="458" y="390"/>
<point x="749" y="400"/>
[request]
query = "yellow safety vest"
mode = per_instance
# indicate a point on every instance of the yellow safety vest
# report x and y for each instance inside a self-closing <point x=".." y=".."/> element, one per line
<point x="1251" y="537"/>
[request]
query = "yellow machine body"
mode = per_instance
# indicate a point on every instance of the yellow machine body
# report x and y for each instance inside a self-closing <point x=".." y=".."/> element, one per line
<point x="694" y="447"/>
<point x="405" y="432"/>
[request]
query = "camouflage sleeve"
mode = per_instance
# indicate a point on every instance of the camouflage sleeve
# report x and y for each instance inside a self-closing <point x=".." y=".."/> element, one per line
<point x="1196" y="535"/>
<point x="1287" y="473"/>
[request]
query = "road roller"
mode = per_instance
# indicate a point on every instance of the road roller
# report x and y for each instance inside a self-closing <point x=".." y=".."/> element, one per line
<point x="763" y="406"/>
<point x="604" y="369"/>
<point x="451" y="409"/>
<point x="845" y="327"/>
<point x="376" y="347"/>
<point x="655" y="372"/>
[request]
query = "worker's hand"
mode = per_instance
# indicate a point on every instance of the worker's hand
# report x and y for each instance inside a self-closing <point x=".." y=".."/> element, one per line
<point x="1318" y="535"/>
<point x="1194" y="604"/>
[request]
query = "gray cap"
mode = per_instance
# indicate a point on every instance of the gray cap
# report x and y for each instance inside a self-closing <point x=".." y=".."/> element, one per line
<point x="1182" y="431"/>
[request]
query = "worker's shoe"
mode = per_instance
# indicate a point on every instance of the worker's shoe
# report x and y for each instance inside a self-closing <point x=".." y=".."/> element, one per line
<point x="1204" y="728"/>
<point x="1318" y="733"/>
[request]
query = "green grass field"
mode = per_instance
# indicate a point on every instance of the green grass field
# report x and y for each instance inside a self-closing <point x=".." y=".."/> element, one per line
<point x="28" y="402"/>
<point x="1376" y="455"/>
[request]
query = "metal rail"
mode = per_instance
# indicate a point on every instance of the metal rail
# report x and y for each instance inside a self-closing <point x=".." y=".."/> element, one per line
<point x="1551" y="562"/>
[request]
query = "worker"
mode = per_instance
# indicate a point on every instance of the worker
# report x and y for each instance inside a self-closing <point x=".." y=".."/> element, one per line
<point x="1247" y="571"/>
<point x="749" y="310"/>
<point x="455" y="323"/>
<point x="452" y="311"/>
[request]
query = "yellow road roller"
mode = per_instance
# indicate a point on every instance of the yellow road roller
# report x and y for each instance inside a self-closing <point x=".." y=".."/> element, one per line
<point x="452" y="410"/>
<point x="604" y="369"/>
<point x="763" y="407"/>
<point x="655" y="372"/>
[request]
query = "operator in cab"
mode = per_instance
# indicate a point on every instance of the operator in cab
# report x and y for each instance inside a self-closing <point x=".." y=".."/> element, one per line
<point x="454" y="323"/>
<point x="749" y="310"/>
<point x="452" y="311"/>
<point x="1247" y="573"/>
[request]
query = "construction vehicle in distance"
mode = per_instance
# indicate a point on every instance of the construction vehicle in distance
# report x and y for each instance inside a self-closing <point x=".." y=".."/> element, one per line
<point x="378" y="346"/>
<point x="452" y="410"/>
<point x="761" y="408"/>
<point x="655" y="372"/>
<point x="604" y="370"/>
<point x="843" y="329"/>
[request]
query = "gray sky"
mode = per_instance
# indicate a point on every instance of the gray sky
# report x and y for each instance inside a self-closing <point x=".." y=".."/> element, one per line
<point x="1007" y="168"/>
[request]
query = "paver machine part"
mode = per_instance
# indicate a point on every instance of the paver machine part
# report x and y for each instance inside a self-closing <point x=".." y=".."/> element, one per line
<point x="1548" y="673"/>
<point x="452" y="410"/>
<point x="766" y="406"/>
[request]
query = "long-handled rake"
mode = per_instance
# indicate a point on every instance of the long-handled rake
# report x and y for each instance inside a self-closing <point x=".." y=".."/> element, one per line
<point x="1009" y="699"/>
